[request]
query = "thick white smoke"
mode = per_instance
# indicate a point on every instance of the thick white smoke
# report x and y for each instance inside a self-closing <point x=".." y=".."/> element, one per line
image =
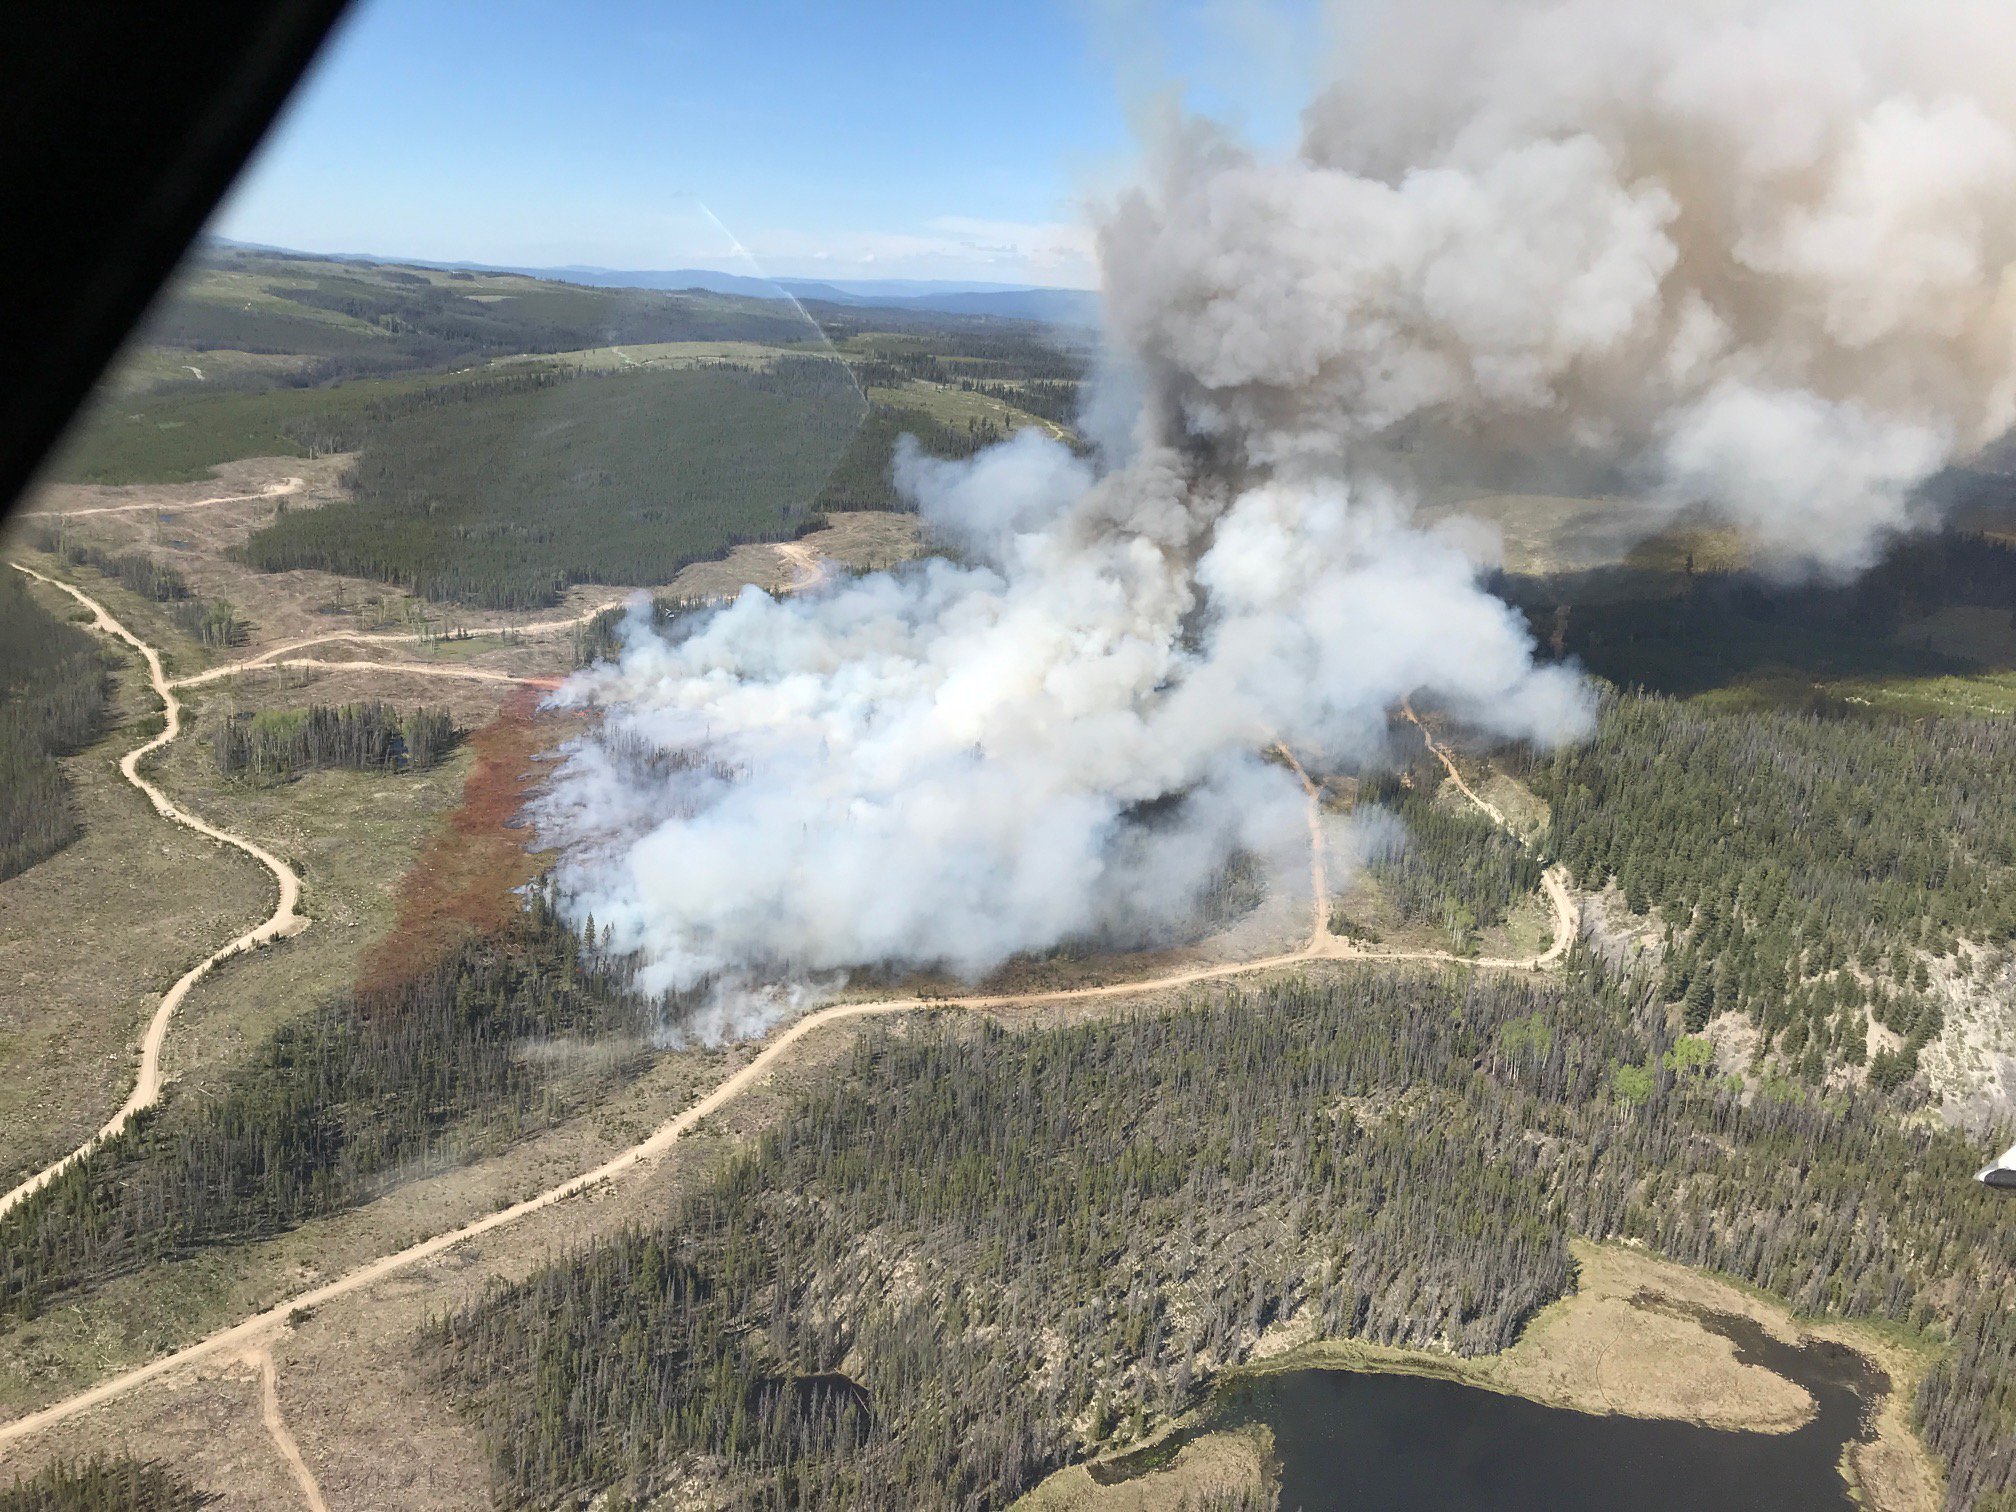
<point x="1750" y="255"/>
<point x="946" y="767"/>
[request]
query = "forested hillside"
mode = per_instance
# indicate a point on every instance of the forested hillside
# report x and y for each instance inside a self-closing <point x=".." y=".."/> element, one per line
<point x="1804" y="866"/>
<point x="360" y="317"/>
<point x="504" y="491"/>
<point x="53" y="684"/>
<point x="982" y="1254"/>
<point x="862" y="477"/>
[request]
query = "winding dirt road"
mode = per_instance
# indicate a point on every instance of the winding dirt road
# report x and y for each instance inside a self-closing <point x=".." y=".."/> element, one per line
<point x="286" y="919"/>
<point x="809" y="569"/>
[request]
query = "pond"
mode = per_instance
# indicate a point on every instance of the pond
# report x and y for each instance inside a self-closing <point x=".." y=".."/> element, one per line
<point x="1365" y="1441"/>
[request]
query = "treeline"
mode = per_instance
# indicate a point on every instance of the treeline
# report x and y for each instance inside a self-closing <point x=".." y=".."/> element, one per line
<point x="134" y="571"/>
<point x="946" y="349"/>
<point x="53" y="687"/>
<point x="102" y="1484"/>
<point x="923" y="1284"/>
<point x="208" y="622"/>
<point x="862" y="478"/>
<point x="1451" y="867"/>
<point x="371" y="736"/>
<point x="1805" y="868"/>
<point x="373" y="1089"/>
<point x="504" y="491"/>
<point x="395" y="321"/>
<point x="1055" y="400"/>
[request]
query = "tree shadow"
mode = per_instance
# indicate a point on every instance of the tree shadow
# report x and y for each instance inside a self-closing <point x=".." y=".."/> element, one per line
<point x="1935" y="605"/>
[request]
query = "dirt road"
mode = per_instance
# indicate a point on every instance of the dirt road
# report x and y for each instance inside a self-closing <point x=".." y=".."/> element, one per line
<point x="410" y="669"/>
<point x="808" y="569"/>
<point x="280" y="490"/>
<point x="807" y="566"/>
<point x="260" y="1358"/>
<point x="281" y="655"/>
<point x="1553" y="881"/>
<point x="285" y="919"/>
<point x="248" y="1336"/>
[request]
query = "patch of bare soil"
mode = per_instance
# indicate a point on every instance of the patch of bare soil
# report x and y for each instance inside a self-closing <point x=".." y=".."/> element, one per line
<point x="1972" y="1064"/>
<point x="858" y="540"/>
<point x="867" y="539"/>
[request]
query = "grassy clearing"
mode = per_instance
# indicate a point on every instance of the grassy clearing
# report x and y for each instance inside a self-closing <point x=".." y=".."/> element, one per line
<point x="1918" y="697"/>
<point x="1213" y="1470"/>
<point x="670" y="354"/>
<point x="1675" y="1367"/>
<point x="150" y="369"/>
<point x="413" y="317"/>
<point x="957" y="408"/>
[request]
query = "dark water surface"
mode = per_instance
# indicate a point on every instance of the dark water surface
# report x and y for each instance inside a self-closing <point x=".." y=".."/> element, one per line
<point x="1368" y="1441"/>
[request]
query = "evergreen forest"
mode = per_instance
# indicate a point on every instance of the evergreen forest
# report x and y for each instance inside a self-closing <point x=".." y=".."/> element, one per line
<point x="277" y="743"/>
<point x="1806" y="870"/>
<point x="505" y="491"/>
<point x="981" y="1254"/>
<point x="53" y="686"/>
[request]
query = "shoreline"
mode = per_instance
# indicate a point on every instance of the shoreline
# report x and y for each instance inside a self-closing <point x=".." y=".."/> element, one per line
<point x="1681" y="1369"/>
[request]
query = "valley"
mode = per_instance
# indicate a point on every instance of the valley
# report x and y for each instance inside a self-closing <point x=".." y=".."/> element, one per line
<point x="386" y="1153"/>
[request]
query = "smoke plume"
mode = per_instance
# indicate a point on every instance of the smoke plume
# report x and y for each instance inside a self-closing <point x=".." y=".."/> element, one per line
<point x="1749" y="257"/>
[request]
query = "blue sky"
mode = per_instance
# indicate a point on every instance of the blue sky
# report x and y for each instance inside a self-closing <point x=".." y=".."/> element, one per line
<point x="873" y="139"/>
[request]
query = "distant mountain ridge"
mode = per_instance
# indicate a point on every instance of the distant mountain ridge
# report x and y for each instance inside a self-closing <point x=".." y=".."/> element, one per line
<point x="1068" y="307"/>
<point x="1016" y="301"/>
